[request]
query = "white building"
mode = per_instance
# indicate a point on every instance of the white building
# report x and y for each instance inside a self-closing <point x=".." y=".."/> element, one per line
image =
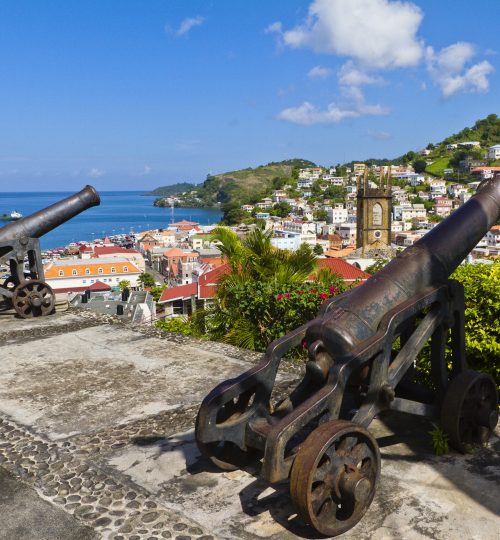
<point x="337" y="214"/>
<point x="286" y="240"/>
<point x="494" y="152"/>
<point x="66" y="275"/>
<point x="493" y="237"/>
<point x="347" y="232"/>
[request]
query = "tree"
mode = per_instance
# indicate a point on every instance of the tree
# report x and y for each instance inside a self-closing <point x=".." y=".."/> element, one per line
<point x="419" y="165"/>
<point x="318" y="249"/>
<point x="321" y="215"/>
<point x="281" y="209"/>
<point x="244" y="310"/>
<point x="146" y="280"/>
<point x="157" y="290"/>
<point x="124" y="284"/>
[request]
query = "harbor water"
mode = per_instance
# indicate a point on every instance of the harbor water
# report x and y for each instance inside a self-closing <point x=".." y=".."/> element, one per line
<point x="120" y="212"/>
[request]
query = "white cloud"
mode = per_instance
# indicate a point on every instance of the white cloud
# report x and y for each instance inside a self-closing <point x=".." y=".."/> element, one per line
<point x="95" y="172"/>
<point x="350" y="75"/>
<point x="319" y="72"/>
<point x="376" y="33"/>
<point x="274" y="27"/>
<point x="146" y="170"/>
<point x="448" y="69"/>
<point x="379" y="135"/>
<point x="189" y="23"/>
<point x="307" y="114"/>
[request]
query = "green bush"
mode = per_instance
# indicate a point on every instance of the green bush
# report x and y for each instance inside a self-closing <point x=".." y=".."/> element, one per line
<point x="482" y="321"/>
<point x="180" y="325"/>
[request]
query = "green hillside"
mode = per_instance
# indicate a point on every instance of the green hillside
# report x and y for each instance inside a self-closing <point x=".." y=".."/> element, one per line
<point x="486" y="131"/>
<point x="236" y="187"/>
<point x="174" y="189"/>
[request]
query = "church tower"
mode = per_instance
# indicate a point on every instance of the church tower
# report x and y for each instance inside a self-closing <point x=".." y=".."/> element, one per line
<point x="374" y="208"/>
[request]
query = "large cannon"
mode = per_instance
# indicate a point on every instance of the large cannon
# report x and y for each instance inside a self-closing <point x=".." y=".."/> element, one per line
<point x="362" y="350"/>
<point x="25" y="288"/>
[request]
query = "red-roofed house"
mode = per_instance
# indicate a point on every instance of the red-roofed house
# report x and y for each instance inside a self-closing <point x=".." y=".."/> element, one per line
<point x="123" y="253"/>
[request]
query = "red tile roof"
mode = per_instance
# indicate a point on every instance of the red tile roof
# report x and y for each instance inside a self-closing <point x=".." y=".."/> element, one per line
<point x="99" y="286"/>
<point x="346" y="271"/>
<point x="178" y="293"/>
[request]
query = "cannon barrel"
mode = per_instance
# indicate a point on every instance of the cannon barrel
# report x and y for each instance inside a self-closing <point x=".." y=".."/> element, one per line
<point x="43" y="221"/>
<point x="428" y="263"/>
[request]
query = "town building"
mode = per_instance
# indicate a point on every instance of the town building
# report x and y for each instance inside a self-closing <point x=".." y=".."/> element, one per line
<point x="494" y="152"/>
<point x="73" y="275"/>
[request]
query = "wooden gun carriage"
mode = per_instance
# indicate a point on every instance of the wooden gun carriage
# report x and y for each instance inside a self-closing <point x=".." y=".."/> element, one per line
<point x="362" y="350"/>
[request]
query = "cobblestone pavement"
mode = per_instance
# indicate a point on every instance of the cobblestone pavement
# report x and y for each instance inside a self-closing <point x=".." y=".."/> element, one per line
<point x="71" y="472"/>
<point x="65" y="381"/>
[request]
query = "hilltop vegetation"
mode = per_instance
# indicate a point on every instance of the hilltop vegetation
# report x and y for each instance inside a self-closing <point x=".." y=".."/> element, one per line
<point x="244" y="186"/>
<point x="174" y="189"/>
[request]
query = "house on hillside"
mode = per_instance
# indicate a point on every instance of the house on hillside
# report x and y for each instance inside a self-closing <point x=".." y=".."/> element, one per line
<point x="494" y="152"/>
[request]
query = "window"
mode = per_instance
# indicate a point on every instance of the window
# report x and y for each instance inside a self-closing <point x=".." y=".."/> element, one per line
<point x="84" y="281"/>
<point x="125" y="268"/>
<point x="61" y="273"/>
<point x="74" y="273"/>
<point x="100" y="271"/>
<point x="377" y="215"/>
<point x="87" y="271"/>
<point x="113" y="269"/>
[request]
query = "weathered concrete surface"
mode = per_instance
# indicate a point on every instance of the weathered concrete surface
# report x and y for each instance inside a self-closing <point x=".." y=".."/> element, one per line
<point x="24" y="515"/>
<point x="99" y="420"/>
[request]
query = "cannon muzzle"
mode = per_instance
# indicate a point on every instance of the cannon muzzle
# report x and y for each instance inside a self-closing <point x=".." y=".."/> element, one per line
<point x="43" y="221"/>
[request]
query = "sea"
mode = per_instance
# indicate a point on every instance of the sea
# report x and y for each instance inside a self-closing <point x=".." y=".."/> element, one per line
<point x="120" y="212"/>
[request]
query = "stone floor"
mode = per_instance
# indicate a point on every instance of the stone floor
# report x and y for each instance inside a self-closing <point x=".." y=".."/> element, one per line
<point x="96" y="441"/>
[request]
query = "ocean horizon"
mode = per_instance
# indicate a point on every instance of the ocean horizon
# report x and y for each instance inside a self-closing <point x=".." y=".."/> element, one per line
<point x="120" y="212"/>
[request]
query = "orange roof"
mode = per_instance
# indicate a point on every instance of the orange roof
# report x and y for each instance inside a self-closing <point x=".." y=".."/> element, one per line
<point x="339" y="253"/>
<point x="173" y="252"/>
<point x="91" y="267"/>
<point x="213" y="261"/>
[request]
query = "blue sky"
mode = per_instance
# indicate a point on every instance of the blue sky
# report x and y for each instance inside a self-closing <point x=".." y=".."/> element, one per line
<point x="134" y="94"/>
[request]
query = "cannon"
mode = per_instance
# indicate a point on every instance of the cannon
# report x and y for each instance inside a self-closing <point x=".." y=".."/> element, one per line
<point x="362" y="349"/>
<point x="25" y="289"/>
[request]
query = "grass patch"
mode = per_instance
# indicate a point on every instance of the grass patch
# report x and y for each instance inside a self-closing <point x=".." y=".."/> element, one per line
<point x="438" y="166"/>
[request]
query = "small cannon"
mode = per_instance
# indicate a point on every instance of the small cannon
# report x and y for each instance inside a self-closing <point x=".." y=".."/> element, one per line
<point x="25" y="290"/>
<point x="362" y="350"/>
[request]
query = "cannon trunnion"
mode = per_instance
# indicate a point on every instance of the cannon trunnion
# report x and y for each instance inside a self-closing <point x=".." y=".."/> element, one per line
<point x="25" y="289"/>
<point x="362" y="351"/>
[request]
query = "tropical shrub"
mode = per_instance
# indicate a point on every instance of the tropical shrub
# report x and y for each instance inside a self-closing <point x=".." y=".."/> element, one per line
<point x="253" y="314"/>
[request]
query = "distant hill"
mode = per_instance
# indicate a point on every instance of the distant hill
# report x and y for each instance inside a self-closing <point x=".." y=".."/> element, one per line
<point x="486" y="131"/>
<point x="174" y="189"/>
<point x="238" y="187"/>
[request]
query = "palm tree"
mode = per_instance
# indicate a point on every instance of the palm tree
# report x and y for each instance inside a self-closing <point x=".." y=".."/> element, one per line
<point x="255" y="265"/>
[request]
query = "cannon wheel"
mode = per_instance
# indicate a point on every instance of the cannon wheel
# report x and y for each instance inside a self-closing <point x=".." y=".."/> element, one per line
<point x="334" y="476"/>
<point x="225" y="455"/>
<point x="469" y="412"/>
<point x="33" y="298"/>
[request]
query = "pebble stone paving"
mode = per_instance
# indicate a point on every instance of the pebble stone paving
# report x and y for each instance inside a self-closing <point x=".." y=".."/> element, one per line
<point x="69" y="473"/>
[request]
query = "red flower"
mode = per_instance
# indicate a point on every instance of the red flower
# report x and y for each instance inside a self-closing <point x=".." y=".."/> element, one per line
<point x="287" y="295"/>
<point x="323" y="296"/>
<point x="300" y="292"/>
<point x="313" y="290"/>
<point x="333" y="290"/>
<point x="279" y="297"/>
